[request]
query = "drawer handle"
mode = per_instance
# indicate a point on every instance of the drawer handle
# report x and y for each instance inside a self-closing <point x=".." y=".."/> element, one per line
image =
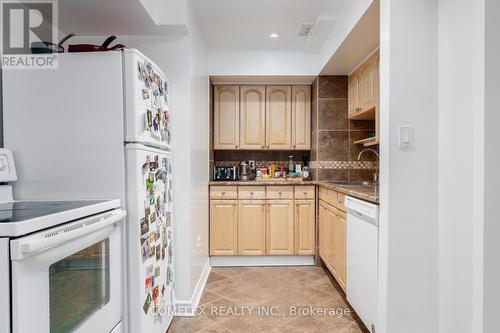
<point x="223" y="192"/>
<point x="251" y="193"/>
<point x="305" y="192"/>
<point x="280" y="193"/>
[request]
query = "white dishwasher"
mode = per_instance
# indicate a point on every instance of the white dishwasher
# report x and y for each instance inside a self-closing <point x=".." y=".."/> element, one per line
<point x="362" y="259"/>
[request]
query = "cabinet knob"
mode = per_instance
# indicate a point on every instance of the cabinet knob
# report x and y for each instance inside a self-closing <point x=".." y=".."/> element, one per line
<point x="251" y="193"/>
<point x="263" y="146"/>
<point x="223" y="192"/>
<point x="268" y="146"/>
<point x="280" y="192"/>
<point x="236" y="146"/>
<point x="294" y="146"/>
<point x="305" y="192"/>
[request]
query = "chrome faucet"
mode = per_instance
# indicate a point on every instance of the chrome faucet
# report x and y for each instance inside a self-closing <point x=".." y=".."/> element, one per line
<point x="375" y="175"/>
<point x="368" y="149"/>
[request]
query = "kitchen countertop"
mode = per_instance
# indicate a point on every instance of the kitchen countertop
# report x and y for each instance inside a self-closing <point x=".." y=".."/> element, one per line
<point x="364" y="192"/>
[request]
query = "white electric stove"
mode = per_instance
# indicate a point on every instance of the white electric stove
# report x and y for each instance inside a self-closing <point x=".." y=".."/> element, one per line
<point x="60" y="262"/>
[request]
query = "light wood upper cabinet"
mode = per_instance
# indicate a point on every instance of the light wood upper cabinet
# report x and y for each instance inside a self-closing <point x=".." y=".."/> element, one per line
<point x="279" y="222"/>
<point x="353" y="94"/>
<point x="278" y="117"/>
<point x="363" y="89"/>
<point x="262" y="117"/>
<point x="304" y="227"/>
<point x="367" y="86"/>
<point x="252" y="117"/>
<point x="301" y="117"/>
<point x="226" y="117"/>
<point x="251" y="227"/>
<point x="223" y="227"/>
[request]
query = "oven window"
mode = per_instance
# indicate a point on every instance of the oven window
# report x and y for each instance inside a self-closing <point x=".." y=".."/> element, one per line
<point x="79" y="286"/>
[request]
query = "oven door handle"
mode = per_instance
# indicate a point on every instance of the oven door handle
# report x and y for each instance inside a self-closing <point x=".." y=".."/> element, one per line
<point x="36" y="245"/>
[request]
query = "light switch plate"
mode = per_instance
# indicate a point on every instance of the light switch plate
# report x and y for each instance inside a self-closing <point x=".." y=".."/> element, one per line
<point x="406" y="137"/>
<point x="7" y="166"/>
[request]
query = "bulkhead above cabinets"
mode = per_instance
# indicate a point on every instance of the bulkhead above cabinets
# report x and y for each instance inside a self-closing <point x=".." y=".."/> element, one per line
<point x="262" y="117"/>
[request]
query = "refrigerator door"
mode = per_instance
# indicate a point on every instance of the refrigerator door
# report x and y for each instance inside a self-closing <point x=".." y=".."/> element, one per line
<point x="147" y="117"/>
<point x="150" y="238"/>
<point x="65" y="128"/>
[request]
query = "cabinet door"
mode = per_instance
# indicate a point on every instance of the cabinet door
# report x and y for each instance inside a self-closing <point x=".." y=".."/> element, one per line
<point x="331" y="235"/>
<point x="279" y="222"/>
<point x="252" y="117"/>
<point x="223" y="227"/>
<point x="353" y="94"/>
<point x="226" y="117"/>
<point x="301" y="117"/>
<point x="278" y="117"/>
<point x="322" y="230"/>
<point x="304" y="227"/>
<point x="367" y="86"/>
<point x="341" y="249"/>
<point x="251" y="227"/>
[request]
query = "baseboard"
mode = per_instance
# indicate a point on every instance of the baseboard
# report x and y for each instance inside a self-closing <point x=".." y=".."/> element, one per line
<point x="188" y="308"/>
<point x="219" y="261"/>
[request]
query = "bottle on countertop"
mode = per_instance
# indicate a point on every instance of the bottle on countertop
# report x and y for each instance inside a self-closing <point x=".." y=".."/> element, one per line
<point x="306" y="170"/>
<point x="291" y="164"/>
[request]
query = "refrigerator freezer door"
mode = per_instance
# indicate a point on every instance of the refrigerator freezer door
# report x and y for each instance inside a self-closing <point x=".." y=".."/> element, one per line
<point x="150" y="238"/>
<point x="147" y="116"/>
<point x="65" y="128"/>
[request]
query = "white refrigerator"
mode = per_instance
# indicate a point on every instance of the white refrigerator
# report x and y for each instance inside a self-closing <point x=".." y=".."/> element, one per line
<point x="99" y="127"/>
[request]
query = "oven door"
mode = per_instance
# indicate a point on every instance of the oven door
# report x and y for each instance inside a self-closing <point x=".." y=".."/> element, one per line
<point x="68" y="279"/>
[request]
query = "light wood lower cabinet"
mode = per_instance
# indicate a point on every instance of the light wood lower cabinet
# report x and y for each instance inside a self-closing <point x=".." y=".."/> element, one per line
<point x="304" y="227"/>
<point x="251" y="227"/>
<point x="341" y="249"/>
<point x="279" y="222"/>
<point x="333" y="239"/>
<point x="322" y="210"/>
<point x="262" y="220"/>
<point x="223" y="227"/>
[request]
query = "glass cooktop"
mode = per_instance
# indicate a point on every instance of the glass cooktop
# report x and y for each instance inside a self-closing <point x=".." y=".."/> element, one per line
<point x="24" y="210"/>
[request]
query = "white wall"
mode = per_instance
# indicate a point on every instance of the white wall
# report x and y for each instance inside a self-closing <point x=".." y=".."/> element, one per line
<point x="461" y="76"/>
<point x="347" y="19"/>
<point x="262" y="62"/>
<point x="184" y="61"/>
<point x="492" y="165"/>
<point x="408" y="199"/>
<point x="199" y="152"/>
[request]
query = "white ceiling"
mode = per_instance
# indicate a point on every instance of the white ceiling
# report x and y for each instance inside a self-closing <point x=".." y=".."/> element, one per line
<point x="246" y="24"/>
<point x="351" y="52"/>
<point x="109" y="17"/>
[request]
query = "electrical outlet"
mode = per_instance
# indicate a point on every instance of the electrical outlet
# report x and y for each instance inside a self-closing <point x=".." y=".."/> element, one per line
<point x="198" y="244"/>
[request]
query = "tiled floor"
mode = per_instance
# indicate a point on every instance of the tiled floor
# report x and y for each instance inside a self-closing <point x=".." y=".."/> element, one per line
<point x="270" y="299"/>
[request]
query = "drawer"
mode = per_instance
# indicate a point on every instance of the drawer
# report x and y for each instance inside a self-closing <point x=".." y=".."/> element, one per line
<point x="341" y="201"/>
<point x="304" y="192"/>
<point x="279" y="192"/>
<point x="224" y="192"/>
<point x="328" y="196"/>
<point x="251" y="192"/>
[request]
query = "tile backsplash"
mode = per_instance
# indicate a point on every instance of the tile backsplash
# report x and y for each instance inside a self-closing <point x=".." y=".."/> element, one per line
<point x="333" y="154"/>
<point x="236" y="156"/>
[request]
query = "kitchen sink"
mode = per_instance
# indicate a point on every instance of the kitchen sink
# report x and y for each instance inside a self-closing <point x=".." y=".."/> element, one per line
<point x="354" y="183"/>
